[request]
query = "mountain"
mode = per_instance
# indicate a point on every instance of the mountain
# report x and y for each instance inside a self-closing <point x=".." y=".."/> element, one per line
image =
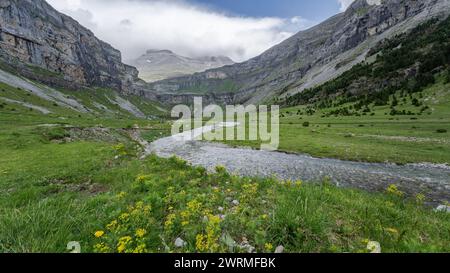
<point x="394" y="71"/>
<point x="157" y="65"/>
<point x="42" y="44"/>
<point x="308" y="58"/>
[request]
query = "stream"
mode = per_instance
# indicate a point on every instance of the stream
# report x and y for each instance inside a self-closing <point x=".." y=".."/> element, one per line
<point x="432" y="180"/>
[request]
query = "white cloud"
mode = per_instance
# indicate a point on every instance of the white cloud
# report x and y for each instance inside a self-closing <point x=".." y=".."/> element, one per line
<point x="345" y="4"/>
<point x="133" y="26"/>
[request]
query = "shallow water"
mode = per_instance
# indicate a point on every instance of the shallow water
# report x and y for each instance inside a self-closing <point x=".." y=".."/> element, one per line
<point x="429" y="179"/>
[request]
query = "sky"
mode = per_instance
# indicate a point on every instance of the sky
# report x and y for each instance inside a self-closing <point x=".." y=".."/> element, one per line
<point x="239" y="29"/>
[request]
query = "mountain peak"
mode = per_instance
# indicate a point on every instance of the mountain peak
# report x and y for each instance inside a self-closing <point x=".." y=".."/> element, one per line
<point x="157" y="65"/>
<point x="155" y="51"/>
<point x="358" y="4"/>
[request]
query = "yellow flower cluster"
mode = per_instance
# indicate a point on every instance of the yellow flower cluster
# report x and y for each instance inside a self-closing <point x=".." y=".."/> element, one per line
<point x="290" y="183"/>
<point x="168" y="224"/>
<point x="140" y="233"/>
<point x="420" y="198"/>
<point x="121" y="195"/>
<point x="194" y="206"/>
<point x="99" y="233"/>
<point x="249" y="191"/>
<point x="268" y="247"/>
<point x="142" y="178"/>
<point x="136" y="218"/>
<point x="101" y="248"/>
<point x="123" y="242"/>
<point x="112" y="226"/>
<point x="209" y="242"/>
<point x="393" y="189"/>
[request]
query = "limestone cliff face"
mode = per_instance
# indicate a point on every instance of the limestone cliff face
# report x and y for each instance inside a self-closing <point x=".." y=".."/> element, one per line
<point x="34" y="35"/>
<point x="310" y="57"/>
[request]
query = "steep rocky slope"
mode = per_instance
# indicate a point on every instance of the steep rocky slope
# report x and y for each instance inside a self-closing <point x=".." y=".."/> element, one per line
<point x="43" y="44"/>
<point x="308" y="58"/>
<point x="397" y="67"/>
<point x="157" y="65"/>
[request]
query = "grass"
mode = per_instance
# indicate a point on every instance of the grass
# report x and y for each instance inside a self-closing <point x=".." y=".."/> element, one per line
<point x="56" y="188"/>
<point x="374" y="137"/>
<point x="54" y="192"/>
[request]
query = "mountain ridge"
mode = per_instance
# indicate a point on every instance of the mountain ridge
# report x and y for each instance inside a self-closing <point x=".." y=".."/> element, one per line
<point x="157" y="65"/>
<point x="308" y="58"/>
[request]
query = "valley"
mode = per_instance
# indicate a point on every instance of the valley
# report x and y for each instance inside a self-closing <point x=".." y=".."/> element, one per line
<point x="69" y="179"/>
<point x="88" y="155"/>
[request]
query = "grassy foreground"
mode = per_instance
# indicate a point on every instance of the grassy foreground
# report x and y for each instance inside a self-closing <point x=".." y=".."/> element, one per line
<point x="98" y="193"/>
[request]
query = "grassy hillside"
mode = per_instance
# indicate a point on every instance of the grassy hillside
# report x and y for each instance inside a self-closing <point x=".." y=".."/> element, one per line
<point x="407" y="63"/>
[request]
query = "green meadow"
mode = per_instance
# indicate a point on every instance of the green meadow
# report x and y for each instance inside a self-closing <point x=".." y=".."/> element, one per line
<point x="375" y="136"/>
<point x="58" y="186"/>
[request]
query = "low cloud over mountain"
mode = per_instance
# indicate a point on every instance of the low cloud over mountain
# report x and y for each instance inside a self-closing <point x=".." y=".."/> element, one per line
<point x="189" y="29"/>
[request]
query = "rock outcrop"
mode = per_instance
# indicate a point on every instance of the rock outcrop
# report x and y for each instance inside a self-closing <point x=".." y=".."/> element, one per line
<point x="310" y="57"/>
<point x="43" y="44"/>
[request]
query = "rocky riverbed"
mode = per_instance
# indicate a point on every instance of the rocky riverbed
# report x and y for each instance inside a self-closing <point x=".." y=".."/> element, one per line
<point x="429" y="179"/>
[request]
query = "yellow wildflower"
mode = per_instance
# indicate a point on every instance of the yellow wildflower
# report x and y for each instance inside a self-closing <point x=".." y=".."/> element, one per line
<point x="420" y="198"/>
<point x="142" y="178"/>
<point x="169" y="220"/>
<point x="140" y="233"/>
<point x="123" y="242"/>
<point x="393" y="189"/>
<point x="194" y="206"/>
<point x="121" y="195"/>
<point x="142" y="248"/>
<point x="111" y="226"/>
<point x="121" y="248"/>
<point x="101" y="248"/>
<point x="124" y="217"/>
<point x="200" y="244"/>
<point x="268" y="246"/>
<point x="99" y="233"/>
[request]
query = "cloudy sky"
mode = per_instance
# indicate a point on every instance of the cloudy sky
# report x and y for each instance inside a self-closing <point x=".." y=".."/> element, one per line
<point x="240" y="29"/>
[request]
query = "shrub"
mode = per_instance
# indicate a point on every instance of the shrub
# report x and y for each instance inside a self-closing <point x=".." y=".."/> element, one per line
<point x="56" y="134"/>
<point x="306" y="124"/>
<point x="416" y="102"/>
<point x="441" y="131"/>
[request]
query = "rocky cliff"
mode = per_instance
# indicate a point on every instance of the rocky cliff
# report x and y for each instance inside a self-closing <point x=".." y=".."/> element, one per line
<point x="41" y="43"/>
<point x="310" y="57"/>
